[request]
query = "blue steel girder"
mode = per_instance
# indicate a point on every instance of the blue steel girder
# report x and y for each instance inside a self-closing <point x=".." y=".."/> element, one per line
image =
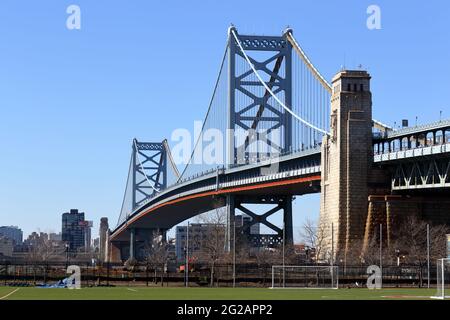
<point x="251" y="111"/>
<point x="149" y="173"/>
<point x="421" y="174"/>
<point x="281" y="203"/>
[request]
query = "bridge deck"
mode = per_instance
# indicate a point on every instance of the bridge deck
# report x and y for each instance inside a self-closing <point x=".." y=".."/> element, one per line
<point x="193" y="197"/>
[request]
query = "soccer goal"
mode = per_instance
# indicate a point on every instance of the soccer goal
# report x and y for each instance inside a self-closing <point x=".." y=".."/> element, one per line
<point x="443" y="279"/>
<point x="314" y="277"/>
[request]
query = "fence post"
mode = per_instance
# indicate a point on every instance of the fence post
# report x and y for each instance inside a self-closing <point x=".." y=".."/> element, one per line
<point x="107" y="273"/>
<point x="381" y="252"/>
<point x="428" y="255"/>
<point x="273" y="278"/>
<point x="6" y="271"/>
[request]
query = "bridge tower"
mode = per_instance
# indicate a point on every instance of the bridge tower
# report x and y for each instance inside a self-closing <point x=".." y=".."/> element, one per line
<point x="347" y="156"/>
<point x="250" y="111"/>
<point x="147" y="175"/>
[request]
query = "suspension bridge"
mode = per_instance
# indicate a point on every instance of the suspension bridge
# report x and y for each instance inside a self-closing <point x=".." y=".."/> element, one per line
<point x="286" y="132"/>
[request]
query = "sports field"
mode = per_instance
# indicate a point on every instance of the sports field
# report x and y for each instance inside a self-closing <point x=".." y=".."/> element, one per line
<point x="156" y="293"/>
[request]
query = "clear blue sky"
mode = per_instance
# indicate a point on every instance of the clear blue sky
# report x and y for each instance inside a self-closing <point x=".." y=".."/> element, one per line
<point x="72" y="100"/>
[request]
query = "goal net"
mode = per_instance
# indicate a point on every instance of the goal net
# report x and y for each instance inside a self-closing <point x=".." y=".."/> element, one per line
<point x="314" y="277"/>
<point x="443" y="279"/>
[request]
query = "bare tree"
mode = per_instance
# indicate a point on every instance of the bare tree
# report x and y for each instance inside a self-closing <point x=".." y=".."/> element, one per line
<point x="314" y="235"/>
<point x="371" y="253"/>
<point x="265" y="258"/>
<point x="212" y="242"/>
<point x="157" y="256"/>
<point x="42" y="251"/>
<point x="411" y="239"/>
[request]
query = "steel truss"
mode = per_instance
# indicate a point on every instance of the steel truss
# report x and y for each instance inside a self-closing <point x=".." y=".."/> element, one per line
<point x="149" y="163"/>
<point x="253" y="112"/>
<point x="430" y="173"/>
<point x="281" y="203"/>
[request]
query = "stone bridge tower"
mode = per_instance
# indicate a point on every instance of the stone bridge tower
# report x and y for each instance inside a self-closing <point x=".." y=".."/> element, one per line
<point x="347" y="156"/>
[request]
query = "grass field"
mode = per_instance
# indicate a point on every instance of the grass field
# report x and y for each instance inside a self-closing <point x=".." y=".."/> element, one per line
<point x="155" y="293"/>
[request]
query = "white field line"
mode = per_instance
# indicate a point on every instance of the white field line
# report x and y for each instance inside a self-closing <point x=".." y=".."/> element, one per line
<point x="6" y="296"/>
<point x="406" y="297"/>
<point x="134" y="290"/>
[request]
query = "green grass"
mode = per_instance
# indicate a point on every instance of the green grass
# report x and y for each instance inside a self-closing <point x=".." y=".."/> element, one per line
<point x="155" y="293"/>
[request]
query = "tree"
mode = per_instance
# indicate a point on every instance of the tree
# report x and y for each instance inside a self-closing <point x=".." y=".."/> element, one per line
<point x="41" y="252"/>
<point x="157" y="257"/>
<point x="314" y="236"/>
<point x="410" y="239"/>
<point x="212" y="241"/>
<point x="265" y="259"/>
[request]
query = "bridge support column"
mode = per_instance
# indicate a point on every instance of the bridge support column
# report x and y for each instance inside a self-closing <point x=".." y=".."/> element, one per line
<point x="347" y="158"/>
<point x="230" y="231"/>
<point x="287" y="217"/>
<point x="113" y="254"/>
<point x="132" y="243"/>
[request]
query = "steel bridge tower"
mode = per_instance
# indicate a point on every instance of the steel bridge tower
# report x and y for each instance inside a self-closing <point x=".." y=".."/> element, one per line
<point x="251" y="110"/>
<point x="148" y="176"/>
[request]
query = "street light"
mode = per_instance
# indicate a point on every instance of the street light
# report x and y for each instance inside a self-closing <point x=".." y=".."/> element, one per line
<point x="67" y="254"/>
<point x="185" y="266"/>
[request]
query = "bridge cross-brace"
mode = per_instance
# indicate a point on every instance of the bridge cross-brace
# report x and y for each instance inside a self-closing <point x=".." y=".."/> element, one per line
<point x="149" y="163"/>
<point x="283" y="203"/>
<point x="257" y="114"/>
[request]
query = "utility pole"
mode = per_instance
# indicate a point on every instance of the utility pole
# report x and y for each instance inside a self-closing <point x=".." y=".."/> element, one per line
<point x="332" y="253"/>
<point x="381" y="251"/>
<point x="187" y="256"/>
<point x="332" y="244"/>
<point x="234" y="252"/>
<point x="428" y="255"/>
<point x="284" y="262"/>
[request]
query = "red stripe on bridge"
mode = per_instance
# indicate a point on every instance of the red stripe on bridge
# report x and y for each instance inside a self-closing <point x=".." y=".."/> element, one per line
<point x="221" y="191"/>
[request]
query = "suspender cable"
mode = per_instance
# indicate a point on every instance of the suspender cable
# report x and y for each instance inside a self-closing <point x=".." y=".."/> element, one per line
<point x="306" y="60"/>
<point x="208" y="112"/>
<point x="270" y="91"/>
<point x="171" y="161"/>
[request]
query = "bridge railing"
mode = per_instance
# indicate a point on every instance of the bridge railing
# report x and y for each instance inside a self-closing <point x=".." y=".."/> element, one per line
<point x="418" y="137"/>
<point x="207" y="174"/>
<point x="412" y="152"/>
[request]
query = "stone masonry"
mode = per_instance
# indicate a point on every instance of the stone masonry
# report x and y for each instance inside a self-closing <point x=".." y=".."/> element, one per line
<point x="356" y="195"/>
<point x="347" y="157"/>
